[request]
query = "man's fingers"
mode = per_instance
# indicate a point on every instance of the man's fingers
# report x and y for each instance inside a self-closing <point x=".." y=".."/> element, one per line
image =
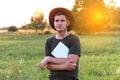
<point x="41" y="66"/>
<point x="71" y="61"/>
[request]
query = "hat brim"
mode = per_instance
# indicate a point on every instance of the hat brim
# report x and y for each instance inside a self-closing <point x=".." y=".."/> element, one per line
<point x="66" y="12"/>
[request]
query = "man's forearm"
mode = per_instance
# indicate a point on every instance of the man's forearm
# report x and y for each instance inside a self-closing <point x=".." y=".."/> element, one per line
<point x="55" y="66"/>
<point x="57" y="60"/>
<point x="68" y="65"/>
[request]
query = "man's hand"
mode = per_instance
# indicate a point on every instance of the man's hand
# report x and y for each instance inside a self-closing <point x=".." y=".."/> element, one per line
<point x="69" y="65"/>
<point x="44" y="62"/>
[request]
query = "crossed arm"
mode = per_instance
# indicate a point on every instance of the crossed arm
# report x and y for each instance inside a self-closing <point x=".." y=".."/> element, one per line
<point x="60" y="63"/>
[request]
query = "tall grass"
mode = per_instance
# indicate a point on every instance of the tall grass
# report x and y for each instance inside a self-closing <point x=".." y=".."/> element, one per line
<point x="20" y="56"/>
<point x="100" y="58"/>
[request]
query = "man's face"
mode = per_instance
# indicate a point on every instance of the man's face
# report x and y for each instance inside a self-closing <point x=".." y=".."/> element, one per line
<point x="60" y="23"/>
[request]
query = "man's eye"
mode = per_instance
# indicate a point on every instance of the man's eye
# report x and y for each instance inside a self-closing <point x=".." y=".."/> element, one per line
<point x="59" y="20"/>
<point x="62" y="20"/>
<point x="56" y="20"/>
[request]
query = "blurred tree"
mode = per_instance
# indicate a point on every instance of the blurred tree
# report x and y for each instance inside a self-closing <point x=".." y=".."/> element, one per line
<point x="44" y="25"/>
<point x="118" y="15"/>
<point x="27" y="26"/>
<point x="114" y="16"/>
<point x="12" y="28"/>
<point x="37" y="20"/>
<point x="90" y="16"/>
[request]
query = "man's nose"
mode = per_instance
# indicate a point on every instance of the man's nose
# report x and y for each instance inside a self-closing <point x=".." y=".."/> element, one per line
<point x="59" y="22"/>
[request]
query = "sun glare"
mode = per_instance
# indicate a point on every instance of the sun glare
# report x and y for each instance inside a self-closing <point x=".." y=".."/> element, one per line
<point x="97" y="17"/>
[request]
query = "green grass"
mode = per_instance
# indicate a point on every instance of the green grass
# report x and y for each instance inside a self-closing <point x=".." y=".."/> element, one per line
<point x="20" y="56"/>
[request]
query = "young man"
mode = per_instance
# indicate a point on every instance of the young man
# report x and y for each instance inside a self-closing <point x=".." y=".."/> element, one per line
<point x="62" y="51"/>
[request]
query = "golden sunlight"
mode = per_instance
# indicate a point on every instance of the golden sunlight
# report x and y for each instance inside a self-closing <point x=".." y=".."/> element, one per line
<point x="96" y="19"/>
<point x="98" y="16"/>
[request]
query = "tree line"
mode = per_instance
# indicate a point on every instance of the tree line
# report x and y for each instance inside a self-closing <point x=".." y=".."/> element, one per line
<point x="95" y="16"/>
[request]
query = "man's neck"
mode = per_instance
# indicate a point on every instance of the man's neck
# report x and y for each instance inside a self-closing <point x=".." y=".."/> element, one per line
<point x="62" y="35"/>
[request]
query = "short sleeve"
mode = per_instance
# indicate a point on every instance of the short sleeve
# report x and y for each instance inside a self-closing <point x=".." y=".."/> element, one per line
<point x="47" y="48"/>
<point x="75" y="46"/>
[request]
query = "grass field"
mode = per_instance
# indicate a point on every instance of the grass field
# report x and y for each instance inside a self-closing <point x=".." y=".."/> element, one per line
<point x="20" y="56"/>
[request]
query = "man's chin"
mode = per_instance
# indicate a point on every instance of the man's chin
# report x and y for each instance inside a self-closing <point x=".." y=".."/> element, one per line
<point x="59" y="31"/>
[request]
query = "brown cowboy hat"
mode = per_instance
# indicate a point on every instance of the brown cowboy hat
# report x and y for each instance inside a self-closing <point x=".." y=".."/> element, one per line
<point x="64" y="11"/>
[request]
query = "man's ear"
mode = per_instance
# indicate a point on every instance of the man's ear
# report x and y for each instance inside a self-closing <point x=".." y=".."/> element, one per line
<point x="68" y="23"/>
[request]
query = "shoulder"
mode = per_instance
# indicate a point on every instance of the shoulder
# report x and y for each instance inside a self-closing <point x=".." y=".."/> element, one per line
<point x="50" y="39"/>
<point x="73" y="36"/>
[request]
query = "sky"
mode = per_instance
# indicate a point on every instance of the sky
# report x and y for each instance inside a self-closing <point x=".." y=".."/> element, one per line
<point x="117" y="2"/>
<point x="19" y="12"/>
